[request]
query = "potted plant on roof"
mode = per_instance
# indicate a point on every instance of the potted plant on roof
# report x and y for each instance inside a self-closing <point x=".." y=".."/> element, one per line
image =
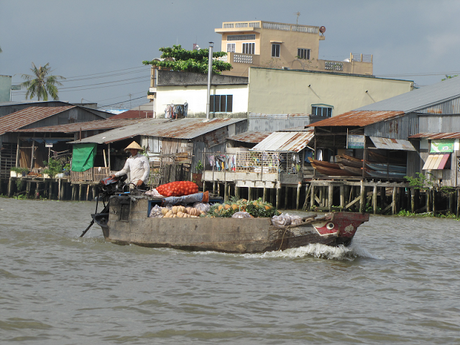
<point x="196" y="177"/>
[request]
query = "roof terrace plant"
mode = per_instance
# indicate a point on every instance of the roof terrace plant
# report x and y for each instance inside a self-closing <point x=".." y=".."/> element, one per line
<point x="179" y="59"/>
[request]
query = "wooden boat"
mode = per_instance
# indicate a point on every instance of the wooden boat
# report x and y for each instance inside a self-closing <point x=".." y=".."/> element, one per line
<point x="329" y="169"/>
<point x="126" y="221"/>
<point x="383" y="167"/>
<point x="385" y="174"/>
<point x="353" y="170"/>
<point x="349" y="161"/>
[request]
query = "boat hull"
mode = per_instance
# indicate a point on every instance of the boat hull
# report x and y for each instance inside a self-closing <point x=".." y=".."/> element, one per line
<point x="128" y="223"/>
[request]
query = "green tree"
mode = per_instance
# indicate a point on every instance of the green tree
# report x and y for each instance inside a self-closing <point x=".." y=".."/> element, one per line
<point x="41" y="84"/>
<point x="179" y="59"/>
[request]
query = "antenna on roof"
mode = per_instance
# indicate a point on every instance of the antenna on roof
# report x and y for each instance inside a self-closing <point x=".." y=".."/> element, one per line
<point x="297" y="19"/>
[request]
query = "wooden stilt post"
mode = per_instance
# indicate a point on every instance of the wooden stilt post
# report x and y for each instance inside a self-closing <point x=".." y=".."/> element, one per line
<point x="427" y="197"/>
<point x="237" y="192"/>
<point x="249" y="193"/>
<point x="299" y="185"/>
<point x="307" y="194"/>
<point x="412" y="200"/>
<point x="28" y="189"/>
<point x="458" y="203"/>
<point x="36" y="191"/>
<point x="434" y="202"/>
<point x="312" y="197"/>
<point x="362" y="200"/>
<point x="264" y="194"/>
<point x="10" y="186"/>
<point x="393" y="209"/>
<point x="277" y="196"/>
<point x="50" y="189"/>
<point x="330" y="194"/>
<point x="342" y="196"/>
<point x="225" y="191"/>
<point x="374" y="198"/>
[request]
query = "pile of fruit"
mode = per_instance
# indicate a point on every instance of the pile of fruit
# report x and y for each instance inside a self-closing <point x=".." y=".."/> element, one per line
<point x="256" y="208"/>
<point x="178" y="188"/>
<point x="180" y="212"/>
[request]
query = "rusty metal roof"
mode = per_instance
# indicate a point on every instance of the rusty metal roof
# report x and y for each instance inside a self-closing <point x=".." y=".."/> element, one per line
<point x="134" y="114"/>
<point x="285" y="142"/>
<point x="250" y="137"/>
<point x="357" y="118"/>
<point x="392" y="144"/>
<point x="83" y="126"/>
<point x="188" y="128"/>
<point x="25" y="117"/>
<point x="436" y="136"/>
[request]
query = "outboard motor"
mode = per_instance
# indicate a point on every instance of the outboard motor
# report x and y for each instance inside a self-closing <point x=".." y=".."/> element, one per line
<point x="110" y="186"/>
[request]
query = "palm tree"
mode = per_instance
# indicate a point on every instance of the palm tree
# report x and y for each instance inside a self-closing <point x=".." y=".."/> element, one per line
<point x="41" y="84"/>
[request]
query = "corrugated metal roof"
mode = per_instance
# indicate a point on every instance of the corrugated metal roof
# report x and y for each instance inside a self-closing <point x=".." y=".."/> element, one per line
<point x="392" y="144"/>
<point x="250" y="137"/>
<point x="436" y="136"/>
<point x="285" y="142"/>
<point x="188" y="128"/>
<point x="357" y="118"/>
<point x="134" y="114"/>
<point x="436" y="162"/>
<point x="83" y="126"/>
<point x="25" y="117"/>
<point x="421" y="98"/>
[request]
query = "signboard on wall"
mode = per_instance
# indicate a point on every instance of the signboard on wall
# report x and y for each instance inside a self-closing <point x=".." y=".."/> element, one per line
<point x="355" y="141"/>
<point x="445" y="145"/>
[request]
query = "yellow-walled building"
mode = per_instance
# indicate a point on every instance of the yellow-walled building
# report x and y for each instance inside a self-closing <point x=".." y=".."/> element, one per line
<point x="279" y="45"/>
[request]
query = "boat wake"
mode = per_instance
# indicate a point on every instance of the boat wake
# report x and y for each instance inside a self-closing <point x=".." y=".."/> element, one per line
<point x="319" y="251"/>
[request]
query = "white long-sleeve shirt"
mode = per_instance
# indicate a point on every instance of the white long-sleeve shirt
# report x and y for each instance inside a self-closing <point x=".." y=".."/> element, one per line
<point x="138" y="168"/>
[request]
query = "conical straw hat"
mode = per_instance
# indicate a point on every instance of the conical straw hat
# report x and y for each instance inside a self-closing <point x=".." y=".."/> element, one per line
<point x="134" y="146"/>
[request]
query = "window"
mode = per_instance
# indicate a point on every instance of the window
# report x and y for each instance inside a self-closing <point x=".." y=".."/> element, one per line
<point x="303" y="53"/>
<point x="221" y="104"/>
<point x="276" y="50"/>
<point x="324" y="111"/>
<point x="230" y="47"/>
<point x="249" y="48"/>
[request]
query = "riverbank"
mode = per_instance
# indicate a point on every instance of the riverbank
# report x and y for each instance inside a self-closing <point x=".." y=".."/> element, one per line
<point x="316" y="195"/>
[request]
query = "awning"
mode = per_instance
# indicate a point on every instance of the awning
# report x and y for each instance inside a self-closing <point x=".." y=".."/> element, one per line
<point x="392" y="144"/>
<point x="285" y="142"/>
<point x="436" y="162"/>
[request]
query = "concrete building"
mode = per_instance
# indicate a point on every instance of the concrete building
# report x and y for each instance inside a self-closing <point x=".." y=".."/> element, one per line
<point x="272" y="99"/>
<point x="5" y="88"/>
<point x="278" y="45"/>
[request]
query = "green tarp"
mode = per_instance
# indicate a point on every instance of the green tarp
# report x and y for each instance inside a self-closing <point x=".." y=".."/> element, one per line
<point x="83" y="157"/>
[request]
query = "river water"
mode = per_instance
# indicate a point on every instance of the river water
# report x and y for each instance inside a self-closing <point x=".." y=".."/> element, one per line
<point x="398" y="283"/>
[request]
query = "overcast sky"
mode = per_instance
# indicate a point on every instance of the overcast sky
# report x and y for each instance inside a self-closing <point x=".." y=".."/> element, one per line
<point x="99" y="45"/>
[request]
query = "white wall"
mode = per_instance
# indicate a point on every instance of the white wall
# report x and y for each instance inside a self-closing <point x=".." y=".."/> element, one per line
<point x="195" y="96"/>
